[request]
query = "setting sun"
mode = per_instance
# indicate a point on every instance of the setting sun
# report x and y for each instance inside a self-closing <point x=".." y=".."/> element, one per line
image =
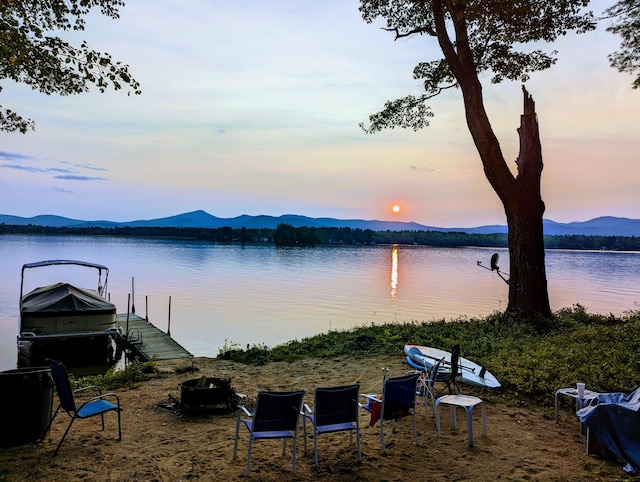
<point x="395" y="208"/>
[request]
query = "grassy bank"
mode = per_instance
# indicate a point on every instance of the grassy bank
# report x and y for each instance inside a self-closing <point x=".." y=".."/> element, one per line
<point x="602" y="351"/>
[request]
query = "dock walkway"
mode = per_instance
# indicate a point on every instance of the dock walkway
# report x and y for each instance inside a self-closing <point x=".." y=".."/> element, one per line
<point x="149" y="341"/>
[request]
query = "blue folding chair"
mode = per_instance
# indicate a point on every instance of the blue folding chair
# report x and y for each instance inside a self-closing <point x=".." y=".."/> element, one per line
<point x="398" y="400"/>
<point x="97" y="405"/>
<point x="334" y="410"/>
<point x="276" y="415"/>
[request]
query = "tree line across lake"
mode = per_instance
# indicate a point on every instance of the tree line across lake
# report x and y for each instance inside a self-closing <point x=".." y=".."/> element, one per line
<point x="288" y="235"/>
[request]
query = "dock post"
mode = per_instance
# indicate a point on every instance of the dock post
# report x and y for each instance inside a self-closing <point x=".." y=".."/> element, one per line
<point x="133" y="298"/>
<point x="126" y="339"/>
<point x="146" y="307"/>
<point x="169" y="319"/>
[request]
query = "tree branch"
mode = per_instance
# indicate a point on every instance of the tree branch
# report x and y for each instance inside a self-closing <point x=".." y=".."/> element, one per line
<point x="418" y="30"/>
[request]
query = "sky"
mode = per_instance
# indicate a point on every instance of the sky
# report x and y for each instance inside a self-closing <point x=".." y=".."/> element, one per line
<point x="253" y="107"/>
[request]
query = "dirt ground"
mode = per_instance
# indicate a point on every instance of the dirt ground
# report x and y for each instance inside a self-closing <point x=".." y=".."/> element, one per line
<point x="163" y="441"/>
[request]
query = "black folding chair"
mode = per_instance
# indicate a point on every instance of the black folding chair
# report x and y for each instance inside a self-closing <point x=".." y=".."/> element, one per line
<point x="451" y="377"/>
<point x="276" y="416"/>
<point x="334" y="410"/>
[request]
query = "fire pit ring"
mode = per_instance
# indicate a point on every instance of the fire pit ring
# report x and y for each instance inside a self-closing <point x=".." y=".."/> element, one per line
<point x="206" y="391"/>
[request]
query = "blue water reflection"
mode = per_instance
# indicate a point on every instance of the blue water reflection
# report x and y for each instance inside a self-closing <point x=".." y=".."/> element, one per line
<point x="263" y="294"/>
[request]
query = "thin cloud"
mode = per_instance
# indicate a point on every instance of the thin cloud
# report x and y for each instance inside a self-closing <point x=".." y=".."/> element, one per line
<point x="71" y="173"/>
<point x="22" y="167"/>
<point x="425" y="169"/>
<point x="13" y="155"/>
<point x="85" y="166"/>
<point x="62" y="190"/>
<point x="75" y="177"/>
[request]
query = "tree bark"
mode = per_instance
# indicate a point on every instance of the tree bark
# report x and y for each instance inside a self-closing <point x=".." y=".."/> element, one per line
<point x="528" y="294"/>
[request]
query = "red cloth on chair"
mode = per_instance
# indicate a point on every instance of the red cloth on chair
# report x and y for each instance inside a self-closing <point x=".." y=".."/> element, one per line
<point x="375" y="408"/>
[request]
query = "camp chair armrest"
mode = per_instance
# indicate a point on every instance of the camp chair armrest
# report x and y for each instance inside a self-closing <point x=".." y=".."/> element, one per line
<point x="245" y="410"/>
<point x="102" y="396"/>
<point x="95" y="388"/>
<point x="307" y="408"/>
<point x="370" y="396"/>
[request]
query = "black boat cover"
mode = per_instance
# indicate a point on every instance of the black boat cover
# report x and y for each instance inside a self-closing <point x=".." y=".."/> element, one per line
<point x="64" y="299"/>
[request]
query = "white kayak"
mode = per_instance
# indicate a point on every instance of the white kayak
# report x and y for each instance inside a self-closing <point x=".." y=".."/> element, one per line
<point x="470" y="373"/>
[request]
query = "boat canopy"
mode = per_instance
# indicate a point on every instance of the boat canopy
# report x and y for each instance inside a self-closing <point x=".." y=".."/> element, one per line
<point x="102" y="289"/>
<point x="39" y="264"/>
<point x="64" y="299"/>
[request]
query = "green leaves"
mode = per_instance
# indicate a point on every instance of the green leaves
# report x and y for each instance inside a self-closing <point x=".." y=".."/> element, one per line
<point x="407" y="112"/>
<point x="49" y="64"/>
<point x="475" y="37"/>
<point x="626" y="23"/>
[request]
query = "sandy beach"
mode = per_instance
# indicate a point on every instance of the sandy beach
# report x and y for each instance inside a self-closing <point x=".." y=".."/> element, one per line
<point x="162" y="441"/>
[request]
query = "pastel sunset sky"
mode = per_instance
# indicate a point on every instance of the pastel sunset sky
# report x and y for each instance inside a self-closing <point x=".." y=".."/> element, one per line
<point x="253" y="107"/>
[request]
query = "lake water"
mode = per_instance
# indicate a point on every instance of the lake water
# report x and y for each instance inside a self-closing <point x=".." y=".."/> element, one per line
<point x="262" y="294"/>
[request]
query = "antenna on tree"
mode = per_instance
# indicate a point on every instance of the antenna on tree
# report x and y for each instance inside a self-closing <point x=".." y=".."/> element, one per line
<point x="494" y="267"/>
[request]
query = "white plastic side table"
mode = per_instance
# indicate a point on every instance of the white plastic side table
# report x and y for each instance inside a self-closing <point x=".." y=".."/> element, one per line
<point x="581" y="401"/>
<point x="467" y="402"/>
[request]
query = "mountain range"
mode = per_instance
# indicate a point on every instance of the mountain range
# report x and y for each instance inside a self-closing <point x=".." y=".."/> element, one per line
<point x="601" y="226"/>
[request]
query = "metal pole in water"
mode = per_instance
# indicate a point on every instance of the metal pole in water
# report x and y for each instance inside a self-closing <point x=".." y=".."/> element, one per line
<point x="126" y="339"/>
<point x="133" y="302"/>
<point x="146" y="308"/>
<point x="169" y="319"/>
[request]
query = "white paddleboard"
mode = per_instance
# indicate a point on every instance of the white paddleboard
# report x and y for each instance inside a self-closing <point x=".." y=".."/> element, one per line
<point x="470" y="373"/>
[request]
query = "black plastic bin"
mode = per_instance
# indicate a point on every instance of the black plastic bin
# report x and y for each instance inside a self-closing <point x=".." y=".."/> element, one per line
<point x="26" y="396"/>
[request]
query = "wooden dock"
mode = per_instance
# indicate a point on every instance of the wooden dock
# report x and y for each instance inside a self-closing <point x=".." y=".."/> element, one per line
<point x="149" y="342"/>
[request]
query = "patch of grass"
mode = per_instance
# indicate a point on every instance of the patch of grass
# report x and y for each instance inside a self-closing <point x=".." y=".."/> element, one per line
<point x="602" y="351"/>
<point x="135" y="373"/>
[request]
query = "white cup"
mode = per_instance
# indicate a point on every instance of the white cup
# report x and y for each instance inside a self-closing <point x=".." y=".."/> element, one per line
<point x="580" y="387"/>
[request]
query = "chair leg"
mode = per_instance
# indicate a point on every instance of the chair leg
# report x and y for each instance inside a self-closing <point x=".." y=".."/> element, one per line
<point x="304" y="433"/>
<point x="63" y="437"/>
<point x="358" y="443"/>
<point x="235" y="444"/>
<point x="315" y="446"/>
<point x="119" y="426"/>
<point x="295" y="446"/>
<point x="249" y="457"/>
<point x="384" y="449"/>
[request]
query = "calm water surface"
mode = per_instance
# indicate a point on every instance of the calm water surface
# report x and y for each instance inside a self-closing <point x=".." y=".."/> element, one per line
<point x="263" y="294"/>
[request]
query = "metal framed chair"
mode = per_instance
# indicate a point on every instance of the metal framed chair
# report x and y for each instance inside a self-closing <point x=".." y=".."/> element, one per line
<point x="97" y="405"/>
<point x="276" y="415"/>
<point x="397" y="401"/>
<point x="451" y="377"/>
<point x="334" y="410"/>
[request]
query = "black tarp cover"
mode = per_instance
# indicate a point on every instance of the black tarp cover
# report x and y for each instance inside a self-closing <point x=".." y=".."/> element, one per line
<point x="64" y="299"/>
<point x="615" y="422"/>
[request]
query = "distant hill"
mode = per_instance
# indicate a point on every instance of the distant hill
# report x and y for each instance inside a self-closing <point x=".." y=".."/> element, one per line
<point x="602" y="226"/>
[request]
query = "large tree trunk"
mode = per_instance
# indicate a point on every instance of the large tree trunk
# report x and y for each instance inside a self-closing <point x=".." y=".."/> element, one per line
<point x="524" y="208"/>
<point x="522" y="201"/>
<point x="520" y="195"/>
